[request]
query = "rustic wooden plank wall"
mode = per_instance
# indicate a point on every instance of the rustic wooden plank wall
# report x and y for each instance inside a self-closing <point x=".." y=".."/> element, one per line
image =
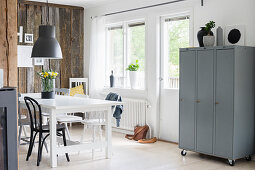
<point x="69" y="25"/>
<point x="8" y="41"/>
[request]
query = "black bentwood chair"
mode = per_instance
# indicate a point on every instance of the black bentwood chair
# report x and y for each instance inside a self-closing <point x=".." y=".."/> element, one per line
<point x="37" y="127"/>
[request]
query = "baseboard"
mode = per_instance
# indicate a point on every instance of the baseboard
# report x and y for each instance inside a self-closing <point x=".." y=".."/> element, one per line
<point x="168" y="141"/>
<point x="124" y="131"/>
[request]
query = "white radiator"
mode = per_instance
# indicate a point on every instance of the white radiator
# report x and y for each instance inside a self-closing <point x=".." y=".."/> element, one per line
<point x="134" y="113"/>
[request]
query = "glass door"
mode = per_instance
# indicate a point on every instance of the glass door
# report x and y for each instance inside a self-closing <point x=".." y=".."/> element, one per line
<point x="175" y="34"/>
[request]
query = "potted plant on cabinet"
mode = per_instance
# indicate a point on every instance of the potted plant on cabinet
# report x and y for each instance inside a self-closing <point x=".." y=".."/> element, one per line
<point x="133" y="68"/>
<point x="48" y="84"/>
<point x="209" y="39"/>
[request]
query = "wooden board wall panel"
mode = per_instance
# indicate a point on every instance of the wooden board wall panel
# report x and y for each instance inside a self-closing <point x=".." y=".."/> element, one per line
<point x="55" y="64"/>
<point x="49" y="4"/>
<point x="8" y="41"/>
<point x="12" y="42"/>
<point x="30" y="30"/>
<point x="22" y="21"/>
<point x="22" y="84"/>
<point x="46" y="65"/>
<point x="3" y="41"/>
<point x="76" y="44"/>
<point x="81" y="56"/>
<point x="65" y="41"/>
<point x="37" y="23"/>
<point x="68" y="22"/>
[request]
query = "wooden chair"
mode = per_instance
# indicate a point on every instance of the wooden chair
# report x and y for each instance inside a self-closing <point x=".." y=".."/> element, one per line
<point x="23" y="121"/>
<point x="37" y="127"/>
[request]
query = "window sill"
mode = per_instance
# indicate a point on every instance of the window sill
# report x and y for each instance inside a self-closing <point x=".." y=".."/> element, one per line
<point x="126" y="92"/>
<point x="171" y="89"/>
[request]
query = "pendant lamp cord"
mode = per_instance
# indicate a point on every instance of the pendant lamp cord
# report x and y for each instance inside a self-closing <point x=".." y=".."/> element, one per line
<point x="48" y="13"/>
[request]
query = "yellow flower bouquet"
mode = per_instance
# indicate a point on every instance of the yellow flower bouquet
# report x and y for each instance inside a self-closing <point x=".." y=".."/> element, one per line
<point x="48" y="83"/>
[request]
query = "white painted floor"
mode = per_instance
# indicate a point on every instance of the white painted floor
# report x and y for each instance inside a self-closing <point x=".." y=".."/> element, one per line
<point x="130" y="155"/>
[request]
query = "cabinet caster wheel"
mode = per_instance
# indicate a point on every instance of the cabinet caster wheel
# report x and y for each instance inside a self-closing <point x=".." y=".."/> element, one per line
<point x="183" y="153"/>
<point x="248" y="158"/>
<point x="231" y="162"/>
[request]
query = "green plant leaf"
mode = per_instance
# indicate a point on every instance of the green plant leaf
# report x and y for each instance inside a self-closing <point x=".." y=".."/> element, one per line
<point x="133" y="67"/>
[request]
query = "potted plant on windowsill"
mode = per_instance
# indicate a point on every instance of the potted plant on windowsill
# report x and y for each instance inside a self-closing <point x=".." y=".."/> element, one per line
<point x="133" y="68"/>
<point x="48" y="84"/>
<point x="209" y="39"/>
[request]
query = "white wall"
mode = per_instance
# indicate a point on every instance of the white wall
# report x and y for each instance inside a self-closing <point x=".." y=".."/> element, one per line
<point x="223" y="12"/>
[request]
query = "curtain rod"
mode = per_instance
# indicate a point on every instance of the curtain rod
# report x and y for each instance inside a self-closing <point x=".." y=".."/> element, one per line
<point x="145" y="7"/>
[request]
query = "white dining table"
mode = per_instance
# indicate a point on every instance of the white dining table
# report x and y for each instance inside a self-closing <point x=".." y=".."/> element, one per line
<point x="68" y="104"/>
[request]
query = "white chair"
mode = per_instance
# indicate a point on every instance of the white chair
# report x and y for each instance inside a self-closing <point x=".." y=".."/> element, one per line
<point x="65" y="118"/>
<point x="94" y="120"/>
<point x="74" y="82"/>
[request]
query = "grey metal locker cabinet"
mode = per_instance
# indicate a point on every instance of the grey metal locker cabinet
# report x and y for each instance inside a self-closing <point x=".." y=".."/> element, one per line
<point x="204" y="115"/>
<point x="187" y="96"/>
<point x="223" y="104"/>
<point x="244" y="118"/>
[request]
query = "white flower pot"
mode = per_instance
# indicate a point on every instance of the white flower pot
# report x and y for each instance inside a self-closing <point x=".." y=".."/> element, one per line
<point x="133" y="79"/>
<point x="209" y="41"/>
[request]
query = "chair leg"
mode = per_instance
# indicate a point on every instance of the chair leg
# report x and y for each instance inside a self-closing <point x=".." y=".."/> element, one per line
<point x="20" y="131"/>
<point x="25" y="132"/>
<point x="67" y="131"/>
<point x="101" y="137"/>
<point x="64" y="140"/>
<point x="39" y="149"/>
<point x="93" y="139"/>
<point x="45" y="144"/>
<point x="83" y="134"/>
<point x="31" y="145"/>
<point x="43" y="141"/>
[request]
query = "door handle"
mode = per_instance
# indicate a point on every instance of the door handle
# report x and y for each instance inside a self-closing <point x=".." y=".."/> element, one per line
<point x="181" y="100"/>
<point x="217" y="103"/>
<point x="198" y="101"/>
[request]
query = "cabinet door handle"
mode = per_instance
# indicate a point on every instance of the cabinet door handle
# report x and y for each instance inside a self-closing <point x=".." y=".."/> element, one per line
<point x="217" y="103"/>
<point x="198" y="101"/>
<point x="181" y="100"/>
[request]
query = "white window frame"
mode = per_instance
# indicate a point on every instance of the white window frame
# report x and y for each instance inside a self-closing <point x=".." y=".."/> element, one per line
<point x="126" y="55"/>
<point x="162" y="41"/>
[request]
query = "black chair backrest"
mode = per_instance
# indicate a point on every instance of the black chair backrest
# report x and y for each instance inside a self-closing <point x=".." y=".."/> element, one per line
<point x="35" y="119"/>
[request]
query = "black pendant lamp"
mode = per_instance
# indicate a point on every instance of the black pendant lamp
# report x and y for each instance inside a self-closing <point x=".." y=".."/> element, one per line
<point x="46" y="46"/>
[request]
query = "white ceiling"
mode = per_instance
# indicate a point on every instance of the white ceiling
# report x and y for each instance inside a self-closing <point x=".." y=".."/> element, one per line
<point x="83" y="3"/>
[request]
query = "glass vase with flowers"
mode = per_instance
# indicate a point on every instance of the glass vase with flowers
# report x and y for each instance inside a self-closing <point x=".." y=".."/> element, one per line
<point x="48" y="84"/>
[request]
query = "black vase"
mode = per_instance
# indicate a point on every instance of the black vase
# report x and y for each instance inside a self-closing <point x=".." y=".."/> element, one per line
<point x="48" y="95"/>
<point x="111" y="80"/>
<point x="201" y="34"/>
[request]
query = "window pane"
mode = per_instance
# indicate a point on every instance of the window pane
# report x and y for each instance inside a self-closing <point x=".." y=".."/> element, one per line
<point x="177" y="36"/>
<point x="115" y="59"/>
<point x="136" y="50"/>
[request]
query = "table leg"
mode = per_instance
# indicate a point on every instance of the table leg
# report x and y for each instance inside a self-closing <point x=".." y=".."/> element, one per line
<point x="108" y="133"/>
<point x="53" y="139"/>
